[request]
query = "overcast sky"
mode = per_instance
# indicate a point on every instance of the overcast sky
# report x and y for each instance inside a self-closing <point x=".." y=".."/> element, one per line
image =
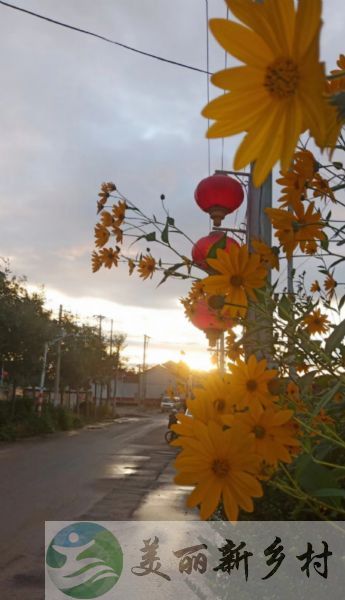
<point x="76" y="111"/>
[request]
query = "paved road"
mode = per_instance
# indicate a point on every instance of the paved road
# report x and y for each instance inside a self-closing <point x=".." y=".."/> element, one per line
<point x="117" y="472"/>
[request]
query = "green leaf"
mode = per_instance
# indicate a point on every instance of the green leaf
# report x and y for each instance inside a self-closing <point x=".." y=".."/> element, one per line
<point x="324" y="244"/>
<point x="313" y="478"/>
<point x="338" y="100"/>
<point x="336" y="337"/>
<point x="341" y="302"/>
<point x="326" y="492"/>
<point x="165" y="233"/>
<point x="326" y="398"/>
<point x="284" y="308"/>
<point x="171" y="221"/>
<point x="219" y="245"/>
<point x="150" y="237"/>
<point x="171" y="272"/>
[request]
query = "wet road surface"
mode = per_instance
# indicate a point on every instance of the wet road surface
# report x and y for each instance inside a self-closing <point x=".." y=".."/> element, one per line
<point x="117" y="471"/>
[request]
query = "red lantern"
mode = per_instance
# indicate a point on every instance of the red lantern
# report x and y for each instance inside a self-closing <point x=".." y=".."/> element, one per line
<point x="202" y="247"/>
<point x="205" y="318"/>
<point x="219" y="195"/>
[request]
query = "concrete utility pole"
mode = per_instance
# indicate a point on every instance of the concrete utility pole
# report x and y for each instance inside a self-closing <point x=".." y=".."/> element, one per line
<point x="58" y="365"/>
<point x="259" y="227"/>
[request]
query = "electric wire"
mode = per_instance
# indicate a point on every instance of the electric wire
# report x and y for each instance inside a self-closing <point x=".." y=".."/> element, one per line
<point x="225" y="66"/>
<point x="103" y="38"/>
<point x="208" y="86"/>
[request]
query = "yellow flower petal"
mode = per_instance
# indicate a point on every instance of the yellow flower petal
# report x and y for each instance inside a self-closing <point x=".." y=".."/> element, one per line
<point x="242" y="43"/>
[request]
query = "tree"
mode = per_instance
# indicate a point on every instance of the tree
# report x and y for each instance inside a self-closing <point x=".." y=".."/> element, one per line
<point x="25" y="326"/>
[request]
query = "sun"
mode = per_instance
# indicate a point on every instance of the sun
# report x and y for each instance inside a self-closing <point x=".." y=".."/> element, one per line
<point x="198" y="361"/>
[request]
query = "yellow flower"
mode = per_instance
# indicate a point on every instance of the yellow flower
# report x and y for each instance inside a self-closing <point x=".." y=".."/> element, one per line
<point x="269" y="258"/>
<point x="338" y="397"/>
<point x="233" y="350"/>
<point x="330" y="285"/>
<point x="111" y="187"/>
<point x="300" y="227"/>
<point x="223" y="466"/>
<point x="271" y="431"/>
<point x="106" y="219"/>
<point x="302" y="367"/>
<point x="293" y="397"/>
<point x="131" y="266"/>
<point x="292" y="391"/>
<point x="322" y="419"/>
<point x="214" y="400"/>
<point x="238" y="273"/>
<point x="249" y="382"/>
<point x="315" y="287"/>
<point x="294" y="187"/>
<point x="147" y="266"/>
<point x="316" y="322"/>
<point x="118" y="233"/>
<point x="197" y="291"/>
<point x="119" y="211"/>
<point x="96" y="262"/>
<point x="279" y="93"/>
<point x="184" y="428"/>
<point x="322" y="188"/>
<point x="109" y="257"/>
<point x="305" y="164"/>
<point x="101" y="235"/>
<point x="295" y="180"/>
<point x="310" y="247"/>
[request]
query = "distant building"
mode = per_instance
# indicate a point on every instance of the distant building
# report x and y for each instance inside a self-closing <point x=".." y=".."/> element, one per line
<point x="155" y="381"/>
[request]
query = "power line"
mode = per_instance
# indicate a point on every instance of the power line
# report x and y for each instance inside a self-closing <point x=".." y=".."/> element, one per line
<point x="103" y="38"/>
<point x="225" y="66"/>
<point x="208" y="86"/>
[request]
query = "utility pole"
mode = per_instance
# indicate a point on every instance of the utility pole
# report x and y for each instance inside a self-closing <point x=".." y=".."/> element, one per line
<point x="100" y="319"/>
<point x="259" y="227"/>
<point x="143" y="390"/>
<point x="111" y="336"/>
<point x="42" y="380"/>
<point x="58" y="364"/>
<point x="109" y="382"/>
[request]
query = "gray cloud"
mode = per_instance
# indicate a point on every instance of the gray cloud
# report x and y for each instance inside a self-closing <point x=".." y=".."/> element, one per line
<point x="76" y="111"/>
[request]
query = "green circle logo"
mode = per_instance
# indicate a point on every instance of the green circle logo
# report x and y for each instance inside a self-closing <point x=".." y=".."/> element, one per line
<point x="84" y="560"/>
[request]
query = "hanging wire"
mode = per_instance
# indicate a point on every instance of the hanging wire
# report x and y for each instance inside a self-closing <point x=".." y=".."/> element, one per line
<point x="208" y="86"/>
<point x="100" y="37"/>
<point x="225" y="66"/>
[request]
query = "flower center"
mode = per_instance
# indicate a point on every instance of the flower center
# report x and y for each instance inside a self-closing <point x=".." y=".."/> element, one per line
<point x="236" y="280"/>
<point x="251" y="385"/>
<point x="259" y="432"/>
<point x="220" y="405"/>
<point x="220" y="467"/>
<point x="282" y="77"/>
